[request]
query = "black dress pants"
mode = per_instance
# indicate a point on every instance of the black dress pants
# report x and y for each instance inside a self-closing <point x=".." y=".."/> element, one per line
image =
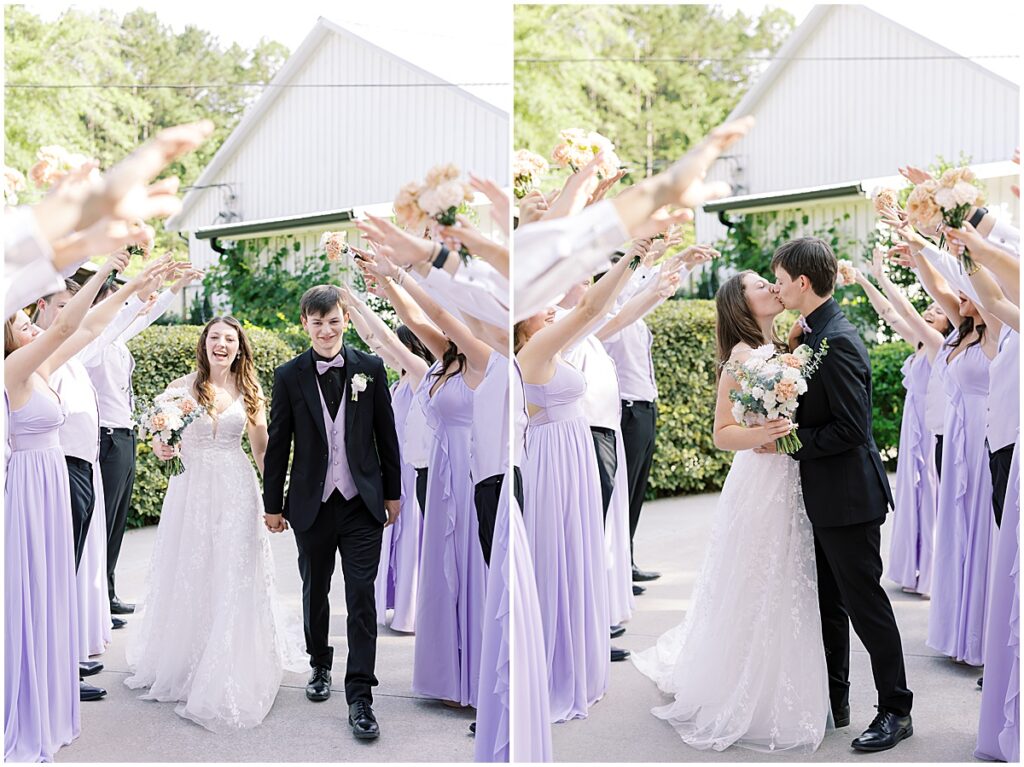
<point x="117" y="467"/>
<point x="347" y="527"/>
<point x="485" y="497"/>
<point x="639" y="426"/>
<point x="999" y="464"/>
<point x="607" y="463"/>
<point x="849" y="591"/>
<point x="421" y="489"/>
<point x="83" y="499"/>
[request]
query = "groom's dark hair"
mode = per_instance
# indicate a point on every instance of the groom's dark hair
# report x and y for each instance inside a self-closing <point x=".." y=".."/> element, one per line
<point x="811" y="257"/>
<point x="319" y="300"/>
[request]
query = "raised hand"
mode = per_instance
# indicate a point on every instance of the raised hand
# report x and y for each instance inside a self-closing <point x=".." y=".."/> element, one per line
<point x="877" y="256"/>
<point x="404" y="248"/>
<point x="604" y="185"/>
<point x="683" y="183"/>
<point x="576" y="192"/>
<point x="466" y="234"/>
<point x="914" y="175"/>
<point x="698" y="254"/>
<point x="903" y="255"/>
<point x="188" y="275"/>
<point x="668" y="284"/>
<point x="501" y="205"/>
<point x="532" y="207"/>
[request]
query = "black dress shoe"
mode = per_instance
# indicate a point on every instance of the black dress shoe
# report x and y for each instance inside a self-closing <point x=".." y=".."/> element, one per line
<point x="981" y="680"/>
<point x="841" y="716"/>
<point x="117" y="623"/>
<point x="619" y="654"/>
<point x="618" y="631"/>
<point x="885" y="731"/>
<point x="472" y="727"/>
<point x="88" y="692"/>
<point x="89" y="667"/>
<point x="638" y="590"/>
<point x="644" y="575"/>
<point x="319" y="685"/>
<point x="117" y="607"/>
<point x="363" y="722"/>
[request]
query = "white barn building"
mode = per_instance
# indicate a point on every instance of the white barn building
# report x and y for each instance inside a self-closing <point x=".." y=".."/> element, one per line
<point x="342" y="126"/>
<point x="852" y="97"/>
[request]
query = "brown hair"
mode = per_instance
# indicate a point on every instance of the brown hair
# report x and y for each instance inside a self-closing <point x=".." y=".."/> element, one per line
<point x="242" y="366"/>
<point x="10" y="342"/>
<point x="518" y="336"/>
<point x="734" y="322"/>
<point x="319" y="300"/>
<point x="812" y="258"/>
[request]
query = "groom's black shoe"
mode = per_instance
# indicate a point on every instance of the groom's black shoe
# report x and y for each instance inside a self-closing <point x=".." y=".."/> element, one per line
<point x="117" y="623"/>
<point x="319" y="685"/>
<point x="363" y="722"/>
<point x="86" y="692"/>
<point x="117" y="607"/>
<point x="619" y="654"/>
<point x="638" y="590"/>
<point x="886" y="731"/>
<point x="618" y="630"/>
<point x="644" y="575"/>
<point x="841" y="716"/>
<point x="89" y="667"/>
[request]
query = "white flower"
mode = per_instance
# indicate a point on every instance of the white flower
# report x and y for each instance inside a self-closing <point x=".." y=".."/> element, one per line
<point x="965" y="193"/>
<point x="757" y="391"/>
<point x="450" y="195"/>
<point x="763" y="353"/>
<point x="801" y="386"/>
<point x="359" y="381"/>
<point x="737" y="412"/>
<point x="790" y="374"/>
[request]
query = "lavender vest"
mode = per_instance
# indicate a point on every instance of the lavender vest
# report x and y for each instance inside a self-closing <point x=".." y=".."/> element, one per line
<point x="339" y="475"/>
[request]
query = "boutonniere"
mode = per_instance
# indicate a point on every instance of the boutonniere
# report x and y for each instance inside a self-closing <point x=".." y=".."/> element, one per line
<point x="359" y="381"/>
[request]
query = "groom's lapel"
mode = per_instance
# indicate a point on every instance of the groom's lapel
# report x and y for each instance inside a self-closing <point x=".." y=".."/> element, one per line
<point x="311" y="392"/>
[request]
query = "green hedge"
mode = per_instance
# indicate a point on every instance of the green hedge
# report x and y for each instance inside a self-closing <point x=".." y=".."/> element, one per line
<point x="163" y="354"/>
<point x="686" y="459"/>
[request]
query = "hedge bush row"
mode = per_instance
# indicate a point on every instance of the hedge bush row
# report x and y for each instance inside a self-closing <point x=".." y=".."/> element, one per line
<point x="685" y="458"/>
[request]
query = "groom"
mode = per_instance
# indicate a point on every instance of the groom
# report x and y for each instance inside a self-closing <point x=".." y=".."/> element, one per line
<point x="333" y="405"/>
<point x="846" y="493"/>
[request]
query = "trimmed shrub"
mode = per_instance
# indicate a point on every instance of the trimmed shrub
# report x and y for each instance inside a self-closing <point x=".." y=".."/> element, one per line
<point x="887" y="395"/>
<point x="163" y="354"/>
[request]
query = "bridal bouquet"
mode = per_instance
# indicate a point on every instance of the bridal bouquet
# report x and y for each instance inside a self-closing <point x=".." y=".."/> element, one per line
<point x="439" y="198"/>
<point x="946" y="200"/>
<point x="770" y="383"/>
<point x="527" y="169"/>
<point x="167" y="418"/>
<point x="335" y="245"/>
<point x="578" y="147"/>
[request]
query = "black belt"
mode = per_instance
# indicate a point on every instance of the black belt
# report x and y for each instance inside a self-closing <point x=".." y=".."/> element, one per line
<point x="637" y="403"/>
<point x="115" y="430"/>
<point x="603" y="430"/>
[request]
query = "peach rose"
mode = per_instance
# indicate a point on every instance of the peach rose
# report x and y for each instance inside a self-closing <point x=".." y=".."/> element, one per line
<point x="187" y="407"/>
<point x="785" y="390"/>
<point x="441" y="173"/>
<point x="791" y="360"/>
<point x="885" y="199"/>
<point x="158" y="422"/>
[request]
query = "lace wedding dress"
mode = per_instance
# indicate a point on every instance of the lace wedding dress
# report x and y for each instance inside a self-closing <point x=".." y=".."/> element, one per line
<point x="746" y="666"/>
<point x="211" y="636"/>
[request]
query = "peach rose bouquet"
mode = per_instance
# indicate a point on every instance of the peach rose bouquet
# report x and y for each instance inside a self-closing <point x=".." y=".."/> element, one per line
<point x="440" y="198"/>
<point x="770" y="386"/>
<point x="578" y="147"/>
<point x="167" y="418"/>
<point x="946" y="200"/>
<point x="846" y="274"/>
<point x="527" y="170"/>
<point x="334" y="244"/>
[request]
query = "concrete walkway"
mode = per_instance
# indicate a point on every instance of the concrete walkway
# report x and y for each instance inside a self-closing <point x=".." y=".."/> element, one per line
<point x="122" y="728"/>
<point x="671" y="539"/>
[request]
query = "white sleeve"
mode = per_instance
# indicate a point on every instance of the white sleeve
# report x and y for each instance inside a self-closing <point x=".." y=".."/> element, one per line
<point x="141" y="323"/>
<point x="1005" y="236"/>
<point x="949" y="267"/>
<point x="29" y="273"/>
<point x="552" y="255"/>
<point x="471" y="299"/>
<point x="92" y="354"/>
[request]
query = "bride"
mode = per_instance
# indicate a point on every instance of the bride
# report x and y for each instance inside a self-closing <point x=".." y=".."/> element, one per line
<point x="746" y="666"/>
<point x="211" y="638"/>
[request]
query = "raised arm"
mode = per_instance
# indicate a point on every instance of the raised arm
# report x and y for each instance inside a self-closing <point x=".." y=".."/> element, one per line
<point x="885" y="310"/>
<point x="1003" y="266"/>
<point x="382" y="339"/>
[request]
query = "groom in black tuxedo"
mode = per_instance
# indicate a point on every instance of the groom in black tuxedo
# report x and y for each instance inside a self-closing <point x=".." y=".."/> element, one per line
<point x="332" y="404"/>
<point x="846" y="492"/>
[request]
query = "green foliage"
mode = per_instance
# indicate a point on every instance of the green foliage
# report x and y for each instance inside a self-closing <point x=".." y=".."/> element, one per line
<point x="163" y="354"/>
<point x="652" y="110"/>
<point x="685" y="458"/>
<point x="100" y="47"/>
<point x="887" y="395"/>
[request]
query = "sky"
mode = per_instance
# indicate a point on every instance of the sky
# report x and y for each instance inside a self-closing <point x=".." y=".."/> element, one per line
<point x="472" y="42"/>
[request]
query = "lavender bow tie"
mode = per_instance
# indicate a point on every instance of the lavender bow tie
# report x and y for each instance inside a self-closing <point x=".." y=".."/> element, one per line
<point x="323" y="367"/>
<point x="803" y="326"/>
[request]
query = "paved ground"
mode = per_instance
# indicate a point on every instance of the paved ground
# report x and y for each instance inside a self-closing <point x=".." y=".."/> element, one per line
<point x="122" y="728"/>
<point x="671" y="539"/>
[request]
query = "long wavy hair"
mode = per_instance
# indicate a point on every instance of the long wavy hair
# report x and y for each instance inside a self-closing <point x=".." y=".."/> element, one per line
<point x="452" y="356"/>
<point x="412" y="342"/>
<point x="243" y="367"/>
<point x="734" y="322"/>
<point x="966" y="326"/>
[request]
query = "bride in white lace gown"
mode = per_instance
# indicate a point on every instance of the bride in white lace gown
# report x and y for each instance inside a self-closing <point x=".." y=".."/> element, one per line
<point x="211" y="637"/>
<point x="746" y="666"/>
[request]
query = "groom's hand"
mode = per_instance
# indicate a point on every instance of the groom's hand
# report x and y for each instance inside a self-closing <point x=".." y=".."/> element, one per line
<point x="275" y="523"/>
<point x="392" y="508"/>
<point x="766" y="448"/>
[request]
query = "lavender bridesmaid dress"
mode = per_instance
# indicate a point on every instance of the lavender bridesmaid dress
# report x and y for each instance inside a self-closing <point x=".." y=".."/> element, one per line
<point x="398" y="574"/>
<point x="41" y="710"/>
<point x="911" y="548"/>
<point x="964" y="523"/>
<point x="562" y="514"/>
<point x="999" y="725"/>
<point x="453" y="577"/>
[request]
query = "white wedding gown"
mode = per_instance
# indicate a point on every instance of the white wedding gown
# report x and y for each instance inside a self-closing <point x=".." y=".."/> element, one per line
<point x="211" y="636"/>
<point x="746" y="666"/>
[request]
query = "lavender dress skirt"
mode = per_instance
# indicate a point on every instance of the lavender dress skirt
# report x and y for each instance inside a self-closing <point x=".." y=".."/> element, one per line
<point x="913" y="532"/>
<point x="964" y="525"/>
<point x="999" y="726"/>
<point x="41" y="709"/>
<point x="398" y="574"/>
<point x="453" y="576"/>
<point x="562" y="514"/>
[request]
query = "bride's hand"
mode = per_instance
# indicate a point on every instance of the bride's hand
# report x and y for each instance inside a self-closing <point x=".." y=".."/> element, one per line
<point x="276" y="523"/>
<point x="162" y="451"/>
<point x="777" y="428"/>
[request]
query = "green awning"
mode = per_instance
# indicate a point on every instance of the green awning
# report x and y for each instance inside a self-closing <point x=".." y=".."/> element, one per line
<point x="746" y="202"/>
<point x="271" y="226"/>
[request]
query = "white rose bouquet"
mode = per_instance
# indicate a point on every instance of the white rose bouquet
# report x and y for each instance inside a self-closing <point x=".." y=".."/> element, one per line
<point x="946" y="200"/>
<point x="439" y="198"/>
<point x="527" y="170"/>
<point x="578" y="147"/>
<point x="770" y="384"/>
<point x="167" y="418"/>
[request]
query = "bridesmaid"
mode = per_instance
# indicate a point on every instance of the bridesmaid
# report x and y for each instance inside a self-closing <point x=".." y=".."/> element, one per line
<point x="562" y="502"/>
<point x="964" y="525"/>
<point x="41" y="690"/>
<point x="398" y="575"/>
<point x="911" y="547"/>
<point x="450" y="601"/>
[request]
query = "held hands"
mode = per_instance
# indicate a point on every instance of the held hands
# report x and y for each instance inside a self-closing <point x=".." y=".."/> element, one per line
<point x="393" y="508"/>
<point x="968" y="237"/>
<point x="276" y="523"/>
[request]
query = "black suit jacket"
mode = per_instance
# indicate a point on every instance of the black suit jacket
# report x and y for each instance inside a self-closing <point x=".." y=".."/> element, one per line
<point x="841" y="472"/>
<point x="296" y="417"/>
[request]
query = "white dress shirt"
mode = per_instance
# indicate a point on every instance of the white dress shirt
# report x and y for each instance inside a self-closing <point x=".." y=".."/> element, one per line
<point x="473" y="299"/>
<point x="601" y="401"/>
<point x="418" y="437"/>
<point x="552" y="256"/>
<point x="489" y="448"/>
<point x="1005" y="236"/>
<point x="630" y="348"/>
<point x="1004" y="392"/>
<point x="79" y="434"/>
<point x="935" y="397"/>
